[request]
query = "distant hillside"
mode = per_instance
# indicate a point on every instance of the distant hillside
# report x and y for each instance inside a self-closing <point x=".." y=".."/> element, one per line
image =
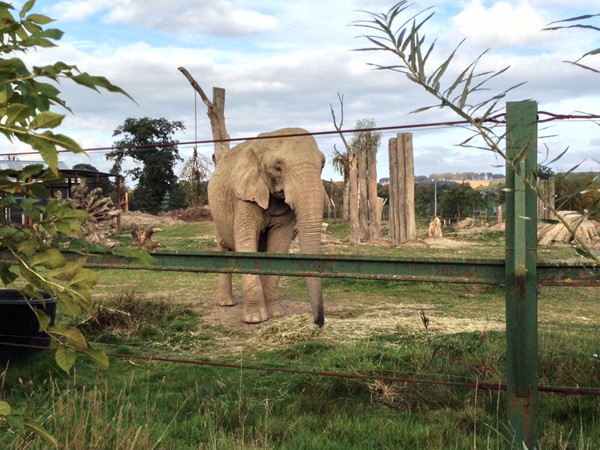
<point x="478" y="183"/>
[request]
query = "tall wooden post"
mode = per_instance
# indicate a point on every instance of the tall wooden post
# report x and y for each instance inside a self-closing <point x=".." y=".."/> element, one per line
<point x="521" y="274"/>
<point x="393" y="191"/>
<point x="402" y="189"/>
<point x="216" y="114"/>
<point x="547" y="190"/>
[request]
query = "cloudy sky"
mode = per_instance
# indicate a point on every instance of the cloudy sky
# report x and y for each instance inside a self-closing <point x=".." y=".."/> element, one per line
<point x="283" y="64"/>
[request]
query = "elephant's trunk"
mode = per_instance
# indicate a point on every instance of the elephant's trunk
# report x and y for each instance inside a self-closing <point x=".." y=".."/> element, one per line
<point x="309" y="220"/>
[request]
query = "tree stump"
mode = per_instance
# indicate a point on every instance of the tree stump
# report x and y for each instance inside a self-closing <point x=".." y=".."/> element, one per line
<point x="142" y="237"/>
<point x="435" y="228"/>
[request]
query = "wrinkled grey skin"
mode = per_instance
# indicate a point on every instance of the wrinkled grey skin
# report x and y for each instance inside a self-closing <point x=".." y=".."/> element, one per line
<point x="260" y="192"/>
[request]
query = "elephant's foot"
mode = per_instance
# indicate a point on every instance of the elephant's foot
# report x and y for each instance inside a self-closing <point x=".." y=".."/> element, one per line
<point x="225" y="300"/>
<point x="256" y="315"/>
<point x="275" y="309"/>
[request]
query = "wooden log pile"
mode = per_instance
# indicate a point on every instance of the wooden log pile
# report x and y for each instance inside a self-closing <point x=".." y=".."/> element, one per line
<point x="102" y="223"/>
<point x="556" y="233"/>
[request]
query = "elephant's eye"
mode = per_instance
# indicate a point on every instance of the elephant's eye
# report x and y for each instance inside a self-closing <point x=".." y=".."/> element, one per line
<point x="277" y="168"/>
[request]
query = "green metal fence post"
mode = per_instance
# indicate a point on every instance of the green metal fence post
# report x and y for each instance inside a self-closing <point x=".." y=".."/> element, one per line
<point x="521" y="275"/>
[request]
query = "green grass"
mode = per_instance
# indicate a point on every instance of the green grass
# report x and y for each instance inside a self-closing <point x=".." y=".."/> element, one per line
<point x="164" y="405"/>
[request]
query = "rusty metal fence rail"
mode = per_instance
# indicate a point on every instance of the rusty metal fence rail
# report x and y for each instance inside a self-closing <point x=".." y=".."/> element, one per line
<point x="435" y="270"/>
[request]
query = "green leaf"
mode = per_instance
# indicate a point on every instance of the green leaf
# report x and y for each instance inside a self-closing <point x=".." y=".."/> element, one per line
<point x="29" y="246"/>
<point x="7" y="276"/>
<point x="39" y="430"/>
<point x="30" y="171"/>
<point x="50" y="259"/>
<point x="140" y="256"/>
<point x="16" y="112"/>
<point x="26" y="8"/>
<point x="69" y="305"/>
<point x="67" y="143"/>
<point x="85" y="278"/>
<point x="71" y="334"/>
<point x="4" y="408"/>
<point x="98" y="356"/>
<point x="46" y="119"/>
<point x="44" y="319"/>
<point x="40" y="19"/>
<point x="94" y="82"/>
<point x="67" y="271"/>
<point x="65" y="357"/>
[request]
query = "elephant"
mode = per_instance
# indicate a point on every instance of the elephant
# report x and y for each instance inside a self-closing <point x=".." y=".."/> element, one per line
<point x="262" y="192"/>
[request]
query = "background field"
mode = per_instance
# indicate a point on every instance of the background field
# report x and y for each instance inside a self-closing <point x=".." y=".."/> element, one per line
<point x="423" y="331"/>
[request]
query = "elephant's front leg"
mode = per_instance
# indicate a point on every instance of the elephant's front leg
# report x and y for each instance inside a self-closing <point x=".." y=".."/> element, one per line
<point x="249" y="223"/>
<point x="255" y="310"/>
<point x="278" y="240"/>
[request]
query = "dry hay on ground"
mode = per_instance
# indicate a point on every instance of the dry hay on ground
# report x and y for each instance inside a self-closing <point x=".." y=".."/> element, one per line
<point x="289" y="330"/>
<point x="446" y="243"/>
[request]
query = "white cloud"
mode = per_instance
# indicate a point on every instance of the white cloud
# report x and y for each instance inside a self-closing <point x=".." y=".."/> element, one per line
<point x="78" y="10"/>
<point x="207" y="17"/>
<point x="502" y="24"/>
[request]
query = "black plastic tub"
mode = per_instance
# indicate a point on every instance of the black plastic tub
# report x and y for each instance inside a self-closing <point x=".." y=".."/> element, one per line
<point x="20" y="334"/>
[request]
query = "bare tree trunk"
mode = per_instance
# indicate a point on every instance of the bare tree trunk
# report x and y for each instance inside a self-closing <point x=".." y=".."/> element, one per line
<point x="216" y="115"/>
<point x="363" y="195"/>
<point x="353" y="198"/>
<point x="375" y="215"/>
<point x="346" y="202"/>
<point x="352" y="177"/>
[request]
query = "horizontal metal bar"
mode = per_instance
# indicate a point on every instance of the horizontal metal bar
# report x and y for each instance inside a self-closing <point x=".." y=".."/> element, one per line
<point x="435" y="270"/>
<point x="475" y="271"/>
<point x="560" y="273"/>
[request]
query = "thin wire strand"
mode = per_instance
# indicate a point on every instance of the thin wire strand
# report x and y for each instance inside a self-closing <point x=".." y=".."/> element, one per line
<point x="470" y="384"/>
<point x="497" y="119"/>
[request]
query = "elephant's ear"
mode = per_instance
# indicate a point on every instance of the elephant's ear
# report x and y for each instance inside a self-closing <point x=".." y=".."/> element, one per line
<point x="248" y="183"/>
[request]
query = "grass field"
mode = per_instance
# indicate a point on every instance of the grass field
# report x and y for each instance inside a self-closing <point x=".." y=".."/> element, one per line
<point x="423" y="331"/>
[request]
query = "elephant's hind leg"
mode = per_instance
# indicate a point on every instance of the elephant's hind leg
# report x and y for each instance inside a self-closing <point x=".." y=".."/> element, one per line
<point x="225" y="291"/>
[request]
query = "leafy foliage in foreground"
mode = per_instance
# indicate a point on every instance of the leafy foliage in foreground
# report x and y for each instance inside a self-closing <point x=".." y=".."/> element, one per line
<point x="34" y="261"/>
